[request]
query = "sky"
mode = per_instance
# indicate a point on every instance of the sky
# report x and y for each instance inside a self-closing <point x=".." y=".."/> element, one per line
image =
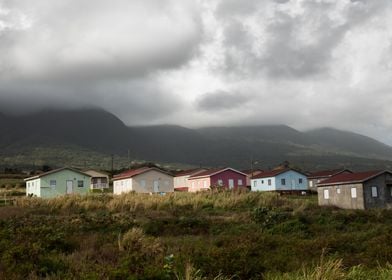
<point x="303" y="63"/>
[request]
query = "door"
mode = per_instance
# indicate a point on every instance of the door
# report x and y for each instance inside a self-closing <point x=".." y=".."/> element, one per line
<point x="231" y="183"/>
<point x="293" y="184"/>
<point x="156" y="186"/>
<point x="69" y="185"/>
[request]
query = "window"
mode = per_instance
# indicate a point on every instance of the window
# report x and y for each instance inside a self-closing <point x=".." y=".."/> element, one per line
<point x="300" y="181"/>
<point x="262" y="181"/>
<point x="220" y="182"/>
<point x="354" y="192"/>
<point x="326" y="194"/>
<point x="283" y="181"/>
<point x="53" y="183"/>
<point x="269" y="182"/>
<point x="80" y="184"/>
<point x="143" y="183"/>
<point x="239" y="182"/>
<point x="338" y="190"/>
<point x="374" y="191"/>
<point x="255" y="184"/>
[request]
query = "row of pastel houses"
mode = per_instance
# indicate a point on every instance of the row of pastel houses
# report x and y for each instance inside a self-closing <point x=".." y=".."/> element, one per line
<point x="341" y="188"/>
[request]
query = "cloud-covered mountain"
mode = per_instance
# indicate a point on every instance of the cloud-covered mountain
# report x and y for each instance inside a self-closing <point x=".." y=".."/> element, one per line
<point x="101" y="132"/>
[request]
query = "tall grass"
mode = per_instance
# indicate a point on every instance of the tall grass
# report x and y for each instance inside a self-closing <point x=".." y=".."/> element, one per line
<point x="226" y="200"/>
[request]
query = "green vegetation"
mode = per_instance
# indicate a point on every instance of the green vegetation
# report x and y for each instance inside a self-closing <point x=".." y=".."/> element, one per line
<point x="212" y="235"/>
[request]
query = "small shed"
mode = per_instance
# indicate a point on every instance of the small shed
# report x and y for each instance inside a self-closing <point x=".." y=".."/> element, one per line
<point x="229" y="178"/>
<point x="280" y="180"/>
<point x="319" y="176"/>
<point x="143" y="180"/>
<point x="99" y="179"/>
<point x="58" y="182"/>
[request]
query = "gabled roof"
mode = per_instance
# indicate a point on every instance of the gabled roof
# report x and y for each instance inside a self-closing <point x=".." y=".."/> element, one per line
<point x="133" y="172"/>
<point x="95" y="173"/>
<point x="327" y="173"/>
<point x="211" y="172"/>
<point x="351" y="178"/>
<point x="273" y="173"/>
<point x="55" y="171"/>
<point x="250" y="171"/>
<point x="190" y="172"/>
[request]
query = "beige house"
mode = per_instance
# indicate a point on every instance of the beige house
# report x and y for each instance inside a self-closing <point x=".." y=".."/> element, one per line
<point x="99" y="180"/>
<point x="181" y="179"/>
<point x="143" y="180"/>
<point x="362" y="190"/>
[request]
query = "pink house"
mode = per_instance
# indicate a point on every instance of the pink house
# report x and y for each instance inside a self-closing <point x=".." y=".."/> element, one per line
<point x="225" y="177"/>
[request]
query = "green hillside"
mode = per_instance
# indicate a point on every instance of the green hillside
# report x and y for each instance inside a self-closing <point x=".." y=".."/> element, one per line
<point x="88" y="138"/>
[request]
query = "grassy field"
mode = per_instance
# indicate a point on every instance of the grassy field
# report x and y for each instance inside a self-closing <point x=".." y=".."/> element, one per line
<point x="216" y="235"/>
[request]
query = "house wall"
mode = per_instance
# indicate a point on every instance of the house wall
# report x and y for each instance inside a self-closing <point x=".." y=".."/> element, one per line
<point x="61" y="177"/>
<point x="226" y="175"/>
<point x="165" y="182"/>
<point x="199" y="184"/>
<point x="261" y="184"/>
<point x="384" y="192"/>
<point x="181" y="182"/>
<point x="312" y="183"/>
<point x="122" y="186"/>
<point x="33" y="187"/>
<point x="342" y="199"/>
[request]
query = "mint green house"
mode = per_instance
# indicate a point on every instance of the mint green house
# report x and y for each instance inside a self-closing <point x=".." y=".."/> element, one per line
<point x="57" y="183"/>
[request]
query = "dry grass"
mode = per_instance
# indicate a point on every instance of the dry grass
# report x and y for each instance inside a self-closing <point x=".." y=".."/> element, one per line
<point x="171" y="202"/>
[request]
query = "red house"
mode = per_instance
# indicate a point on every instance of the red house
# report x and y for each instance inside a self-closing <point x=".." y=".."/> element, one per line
<point x="225" y="177"/>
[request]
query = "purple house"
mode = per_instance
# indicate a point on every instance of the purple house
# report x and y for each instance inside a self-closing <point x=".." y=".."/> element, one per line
<point x="225" y="177"/>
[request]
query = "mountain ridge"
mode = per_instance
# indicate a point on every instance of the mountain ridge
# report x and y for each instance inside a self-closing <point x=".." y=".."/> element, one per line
<point x="100" y="131"/>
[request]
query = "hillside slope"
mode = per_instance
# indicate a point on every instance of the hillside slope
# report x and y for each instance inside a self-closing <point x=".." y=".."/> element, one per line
<point x="99" y="132"/>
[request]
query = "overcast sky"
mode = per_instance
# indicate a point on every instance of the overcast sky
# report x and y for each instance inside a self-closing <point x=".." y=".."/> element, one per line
<point x="195" y="63"/>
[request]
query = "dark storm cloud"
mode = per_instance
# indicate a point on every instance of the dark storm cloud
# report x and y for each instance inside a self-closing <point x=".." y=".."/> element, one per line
<point x="98" y="53"/>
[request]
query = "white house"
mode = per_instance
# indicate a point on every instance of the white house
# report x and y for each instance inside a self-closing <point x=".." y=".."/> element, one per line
<point x="280" y="180"/>
<point x="143" y="180"/>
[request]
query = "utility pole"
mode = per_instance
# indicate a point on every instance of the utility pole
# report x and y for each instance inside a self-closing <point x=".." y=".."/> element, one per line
<point x="112" y="163"/>
<point x="129" y="158"/>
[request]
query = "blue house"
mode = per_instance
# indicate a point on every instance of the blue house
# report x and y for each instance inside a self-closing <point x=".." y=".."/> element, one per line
<point x="280" y="180"/>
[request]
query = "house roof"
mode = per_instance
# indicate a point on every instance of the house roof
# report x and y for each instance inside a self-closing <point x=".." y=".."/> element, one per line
<point x="190" y="172"/>
<point x="133" y="172"/>
<point x="250" y="171"/>
<point x="327" y="173"/>
<point x="211" y="172"/>
<point x="95" y="173"/>
<point x="347" y="178"/>
<point x="55" y="171"/>
<point x="273" y="173"/>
